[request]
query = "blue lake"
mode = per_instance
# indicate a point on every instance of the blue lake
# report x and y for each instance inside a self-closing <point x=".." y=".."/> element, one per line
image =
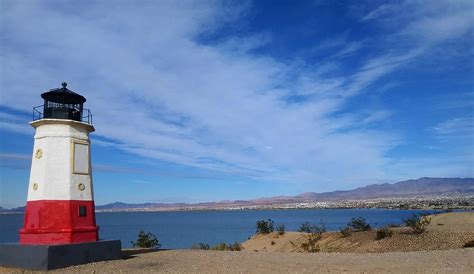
<point x="181" y="229"/>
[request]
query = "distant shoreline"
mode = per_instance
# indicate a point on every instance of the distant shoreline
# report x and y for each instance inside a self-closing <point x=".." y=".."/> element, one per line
<point x="261" y="209"/>
<point x="420" y="194"/>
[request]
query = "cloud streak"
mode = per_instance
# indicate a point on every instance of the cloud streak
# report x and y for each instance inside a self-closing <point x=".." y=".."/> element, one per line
<point x="158" y="91"/>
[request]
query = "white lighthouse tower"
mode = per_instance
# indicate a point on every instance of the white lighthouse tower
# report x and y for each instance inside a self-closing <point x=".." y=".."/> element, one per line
<point x="60" y="228"/>
<point x="60" y="204"/>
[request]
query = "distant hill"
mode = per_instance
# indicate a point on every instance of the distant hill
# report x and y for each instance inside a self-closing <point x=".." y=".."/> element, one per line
<point x="20" y="209"/>
<point x="423" y="186"/>
<point x="419" y="187"/>
<point x="119" y="205"/>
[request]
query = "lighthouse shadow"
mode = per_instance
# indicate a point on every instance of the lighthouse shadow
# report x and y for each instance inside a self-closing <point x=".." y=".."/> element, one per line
<point x="132" y="253"/>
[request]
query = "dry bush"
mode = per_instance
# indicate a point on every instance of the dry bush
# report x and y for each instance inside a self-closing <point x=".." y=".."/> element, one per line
<point x="265" y="227"/>
<point x="227" y="247"/>
<point x="346" y="231"/>
<point x="359" y="224"/>
<point x="313" y="228"/>
<point x="383" y="232"/>
<point x="202" y="246"/>
<point x="417" y="223"/>
<point x="280" y="228"/>
<point x="311" y="244"/>
<point x="146" y="240"/>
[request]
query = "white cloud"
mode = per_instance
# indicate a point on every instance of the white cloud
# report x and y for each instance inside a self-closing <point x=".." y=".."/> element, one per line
<point x="349" y="49"/>
<point x="14" y="123"/>
<point x="457" y="127"/>
<point x="14" y="156"/>
<point x="158" y="92"/>
<point x="378" y="12"/>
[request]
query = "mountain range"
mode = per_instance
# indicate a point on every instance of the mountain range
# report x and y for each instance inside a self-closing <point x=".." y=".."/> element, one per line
<point x="420" y="187"/>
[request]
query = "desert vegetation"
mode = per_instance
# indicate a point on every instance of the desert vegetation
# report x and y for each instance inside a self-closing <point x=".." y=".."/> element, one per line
<point x="220" y="246"/>
<point x="383" y="232"/>
<point x="280" y="228"/>
<point x="346" y="231"/>
<point x="265" y="227"/>
<point x="354" y="225"/>
<point x="359" y="224"/>
<point x="311" y="243"/>
<point x="202" y="246"/>
<point x="315" y="233"/>
<point x="308" y="227"/>
<point x="227" y="247"/>
<point x="417" y="223"/>
<point x="146" y="240"/>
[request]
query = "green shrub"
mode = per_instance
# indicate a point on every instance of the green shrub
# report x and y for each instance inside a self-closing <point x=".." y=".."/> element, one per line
<point x="417" y="223"/>
<point x="346" y="231"/>
<point x="265" y="227"/>
<point x="359" y="224"/>
<point x="220" y="246"/>
<point x="146" y="240"/>
<point x="305" y="227"/>
<point x="230" y="247"/>
<point x="311" y="244"/>
<point x="236" y="246"/>
<point x="469" y="244"/>
<point x="280" y="228"/>
<point x="312" y="228"/>
<point x="315" y="234"/>
<point x="202" y="246"/>
<point x="383" y="232"/>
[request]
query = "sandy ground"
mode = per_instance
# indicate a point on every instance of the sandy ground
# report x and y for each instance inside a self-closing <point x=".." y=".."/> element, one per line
<point x="446" y="231"/>
<point x="454" y="221"/>
<point x="451" y="259"/>
<point x="197" y="261"/>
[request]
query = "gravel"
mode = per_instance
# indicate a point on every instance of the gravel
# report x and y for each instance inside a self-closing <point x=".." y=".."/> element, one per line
<point x="197" y="261"/>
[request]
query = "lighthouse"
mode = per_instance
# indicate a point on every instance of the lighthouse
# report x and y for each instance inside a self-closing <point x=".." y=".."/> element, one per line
<point x="59" y="224"/>
<point x="60" y="203"/>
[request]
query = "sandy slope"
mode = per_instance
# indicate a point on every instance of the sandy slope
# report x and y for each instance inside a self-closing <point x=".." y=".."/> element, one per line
<point x="446" y="231"/>
<point x="453" y="221"/>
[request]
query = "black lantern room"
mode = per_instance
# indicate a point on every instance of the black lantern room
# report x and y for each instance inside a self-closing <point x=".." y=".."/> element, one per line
<point x="62" y="103"/>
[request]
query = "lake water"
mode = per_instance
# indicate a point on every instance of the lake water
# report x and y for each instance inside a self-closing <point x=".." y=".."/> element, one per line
<point x="182" y="229"/>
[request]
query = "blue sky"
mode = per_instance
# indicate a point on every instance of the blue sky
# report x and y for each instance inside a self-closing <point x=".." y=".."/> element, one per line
<point x="212" y="100"/>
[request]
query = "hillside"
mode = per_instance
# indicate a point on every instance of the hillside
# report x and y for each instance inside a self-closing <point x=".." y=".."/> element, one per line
<point x="420" y="187"/>
<point x="423" y="186"/>
<point x="446" y="231"/>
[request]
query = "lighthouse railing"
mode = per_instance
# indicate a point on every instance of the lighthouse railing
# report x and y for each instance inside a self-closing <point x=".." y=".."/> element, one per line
<point x="86" y="116"/>
<point x="37" y="113"/>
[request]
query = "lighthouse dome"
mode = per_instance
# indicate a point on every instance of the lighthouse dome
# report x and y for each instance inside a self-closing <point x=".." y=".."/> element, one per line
<point x="63" y="96"/>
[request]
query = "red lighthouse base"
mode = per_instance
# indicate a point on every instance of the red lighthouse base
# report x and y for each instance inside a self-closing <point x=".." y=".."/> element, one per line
<point x="59" y="222"/>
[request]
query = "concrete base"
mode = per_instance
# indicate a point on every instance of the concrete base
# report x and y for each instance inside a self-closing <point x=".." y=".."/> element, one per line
<point x="45" y="257"/>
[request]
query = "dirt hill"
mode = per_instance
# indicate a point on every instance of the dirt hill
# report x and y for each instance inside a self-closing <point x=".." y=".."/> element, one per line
<point x="446" y="231"/>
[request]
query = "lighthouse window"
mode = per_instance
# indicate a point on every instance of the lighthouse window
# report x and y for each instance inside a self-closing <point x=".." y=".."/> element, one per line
<point x="82" y="211"/>
<point x="81" y="158"/>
